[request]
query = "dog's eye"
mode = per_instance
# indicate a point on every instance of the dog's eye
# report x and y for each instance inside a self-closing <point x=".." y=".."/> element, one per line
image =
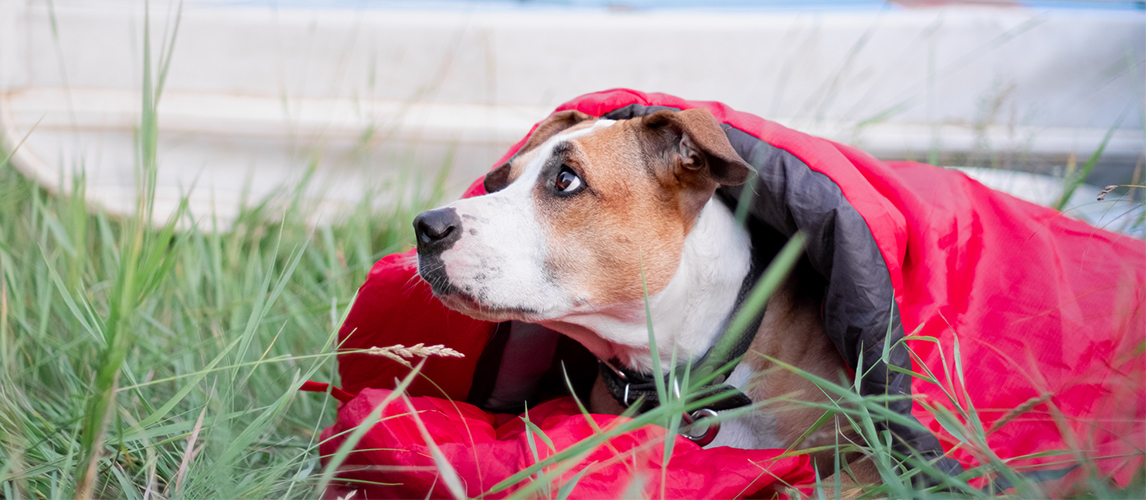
<point x="567" y="180"/>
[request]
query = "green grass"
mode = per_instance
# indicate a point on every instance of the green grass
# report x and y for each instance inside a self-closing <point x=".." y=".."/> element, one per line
<point x="190" y="346"/>
<point x="138" y="361"/>
<point x="120" y="341"/>
<point x="202" y="401"/>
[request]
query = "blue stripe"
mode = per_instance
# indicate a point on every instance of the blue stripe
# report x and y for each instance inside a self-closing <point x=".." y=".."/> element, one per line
<point x="661" y="5"/>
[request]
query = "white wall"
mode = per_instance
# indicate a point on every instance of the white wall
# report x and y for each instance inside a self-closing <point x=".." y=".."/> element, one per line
<point x="368" y="96"/>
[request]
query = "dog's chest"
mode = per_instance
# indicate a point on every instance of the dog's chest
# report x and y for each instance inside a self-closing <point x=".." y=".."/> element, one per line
<point x="792" y="333"/>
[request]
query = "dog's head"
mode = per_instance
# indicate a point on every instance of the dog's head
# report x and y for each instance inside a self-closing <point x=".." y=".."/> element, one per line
<point x="573" y="218"/>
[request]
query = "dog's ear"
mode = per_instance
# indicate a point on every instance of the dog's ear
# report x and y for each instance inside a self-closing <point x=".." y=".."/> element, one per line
<point x="498" y="178"/>
<point x="700" y="145"/>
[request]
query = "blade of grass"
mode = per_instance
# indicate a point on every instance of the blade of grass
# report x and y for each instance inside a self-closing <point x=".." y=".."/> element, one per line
<point x="363" y="427"/>
<point x="533" y="449"/>
<point x="777" y="271"/>
<point x="567" y="488"/>
<point x="1071" y="183"/>
<point x="447" y="471"/>
<point x="12" y="153"/>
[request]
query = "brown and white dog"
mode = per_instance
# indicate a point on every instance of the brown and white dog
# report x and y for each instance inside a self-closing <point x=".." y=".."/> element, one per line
<point x="571" y="221"/>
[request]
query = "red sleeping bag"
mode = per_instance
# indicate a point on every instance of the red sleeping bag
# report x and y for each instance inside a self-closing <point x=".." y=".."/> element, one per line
<point x="1047" y="313"/>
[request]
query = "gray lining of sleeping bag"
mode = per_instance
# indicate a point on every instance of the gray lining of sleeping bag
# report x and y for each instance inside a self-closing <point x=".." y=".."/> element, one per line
<point x="859" y="301"/>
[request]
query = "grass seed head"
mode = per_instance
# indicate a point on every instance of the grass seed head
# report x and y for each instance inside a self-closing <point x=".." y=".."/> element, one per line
<point x="399" y="352"/>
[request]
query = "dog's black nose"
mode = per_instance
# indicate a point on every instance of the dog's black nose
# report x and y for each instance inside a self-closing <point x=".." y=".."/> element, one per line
<point x="437" y="230"/>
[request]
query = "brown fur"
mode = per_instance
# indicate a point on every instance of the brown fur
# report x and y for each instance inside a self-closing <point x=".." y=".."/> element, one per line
<point x="792" y="333"/>
<point x="642" y="200"/>
<point x="558" y="122"/>
<point x="647" y="180"/>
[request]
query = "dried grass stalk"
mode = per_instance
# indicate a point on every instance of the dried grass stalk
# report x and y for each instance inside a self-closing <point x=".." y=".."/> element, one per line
<point x="399" y="352"/>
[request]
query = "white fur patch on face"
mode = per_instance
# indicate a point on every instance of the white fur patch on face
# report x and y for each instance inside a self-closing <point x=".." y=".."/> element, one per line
<point x="498" y="267"/>
<point x="688" y="312"/>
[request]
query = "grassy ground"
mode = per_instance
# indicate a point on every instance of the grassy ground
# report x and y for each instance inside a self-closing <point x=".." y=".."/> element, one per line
<point x="206" y="337"/>
<point x="141" y="362"/>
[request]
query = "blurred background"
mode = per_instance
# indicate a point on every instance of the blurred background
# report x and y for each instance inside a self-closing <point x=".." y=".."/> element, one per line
<point x="138" y="362"/>
<point x="332" y="101"/>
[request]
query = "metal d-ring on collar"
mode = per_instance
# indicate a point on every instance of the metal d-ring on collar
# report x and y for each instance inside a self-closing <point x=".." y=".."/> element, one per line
<point x="698" y="416"/>
<point x="628" y="387"/>
<point x="690" y="418"/>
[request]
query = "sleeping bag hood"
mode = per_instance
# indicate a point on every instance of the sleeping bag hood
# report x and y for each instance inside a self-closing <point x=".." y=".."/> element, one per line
<point x="1019" y="322"/>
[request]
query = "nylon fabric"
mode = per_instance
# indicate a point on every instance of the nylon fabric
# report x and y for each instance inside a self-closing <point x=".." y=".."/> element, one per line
<point x="485" y="449"/>
<point x="1004" y="303"/>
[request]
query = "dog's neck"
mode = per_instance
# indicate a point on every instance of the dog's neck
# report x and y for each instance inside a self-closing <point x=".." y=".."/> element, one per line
<point x="688" y="314"/>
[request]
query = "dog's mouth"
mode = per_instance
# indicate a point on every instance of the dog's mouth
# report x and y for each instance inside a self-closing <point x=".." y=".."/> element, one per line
<point x="433" y="272"/>
<point x="475" y="308"/>
<point x="466" y="302"/>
